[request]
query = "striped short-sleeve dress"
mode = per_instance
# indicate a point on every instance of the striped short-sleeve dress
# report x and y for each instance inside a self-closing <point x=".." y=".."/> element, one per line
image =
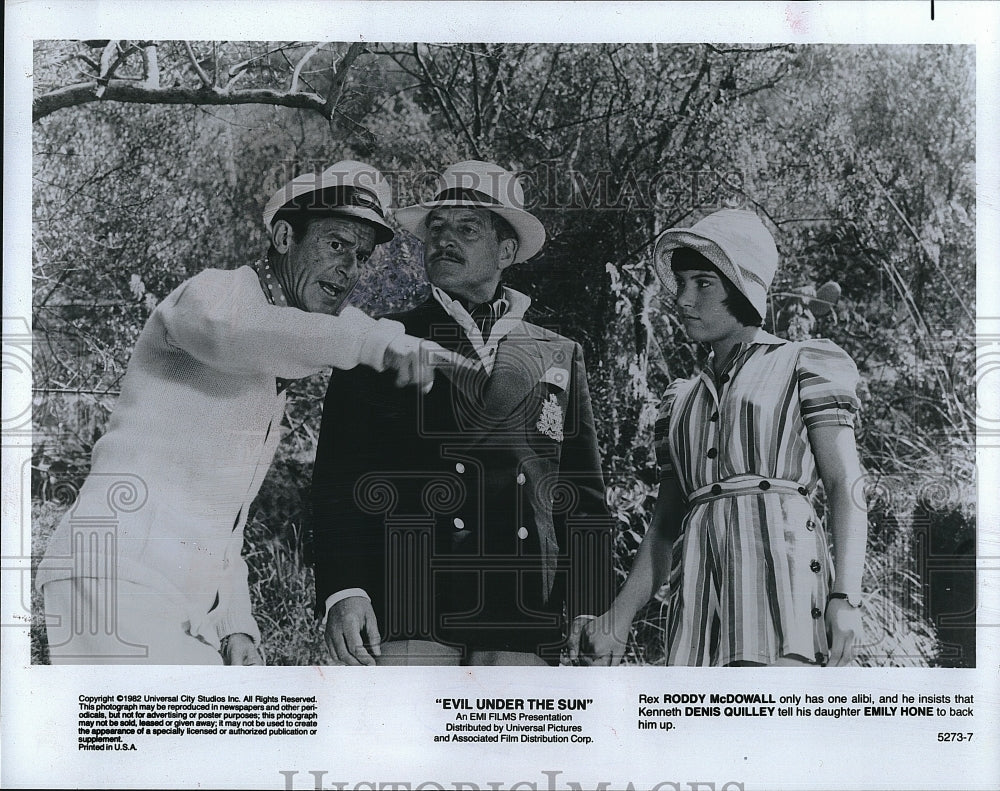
<point x="751" y="569"/>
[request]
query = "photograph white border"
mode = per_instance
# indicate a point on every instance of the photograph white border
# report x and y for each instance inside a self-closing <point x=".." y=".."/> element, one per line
<point x="377" y="726"/>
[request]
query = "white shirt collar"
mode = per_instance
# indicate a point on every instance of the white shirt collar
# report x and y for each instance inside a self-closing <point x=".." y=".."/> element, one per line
<point x="517" y="306"/>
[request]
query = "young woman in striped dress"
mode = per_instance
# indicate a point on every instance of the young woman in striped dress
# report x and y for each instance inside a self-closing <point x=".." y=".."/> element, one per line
<point x="741" y="448"/>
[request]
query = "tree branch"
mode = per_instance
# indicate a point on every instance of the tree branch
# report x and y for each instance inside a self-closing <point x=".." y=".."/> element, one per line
<point x="133" y="93"/>
<point x="108" y="66"/>
<point x="302" y="62"/>
<point x="336" y="91"/>
<point x="197" y="66"/>
<point x="151" y="67"/>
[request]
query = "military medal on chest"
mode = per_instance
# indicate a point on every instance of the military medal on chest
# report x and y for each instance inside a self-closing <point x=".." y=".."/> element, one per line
<point x="550" y="422"/>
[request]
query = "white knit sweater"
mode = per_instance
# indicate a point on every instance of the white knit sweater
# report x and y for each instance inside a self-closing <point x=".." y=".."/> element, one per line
<point x="191" y="439"/>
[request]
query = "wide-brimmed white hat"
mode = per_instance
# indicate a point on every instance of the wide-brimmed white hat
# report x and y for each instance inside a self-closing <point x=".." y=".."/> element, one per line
<point x="481" y="185"/>
<point x="347" y="187"/>
<point x="735" y="241"/>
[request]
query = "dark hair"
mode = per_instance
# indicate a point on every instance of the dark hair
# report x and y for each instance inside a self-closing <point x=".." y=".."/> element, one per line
<point x="299" y="219"/>
<point x="502" y="228"/>
<point x="684" y="259"/>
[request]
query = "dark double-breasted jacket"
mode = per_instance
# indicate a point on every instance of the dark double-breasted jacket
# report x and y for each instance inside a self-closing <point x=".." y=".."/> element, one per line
<point x="473" y="515"/>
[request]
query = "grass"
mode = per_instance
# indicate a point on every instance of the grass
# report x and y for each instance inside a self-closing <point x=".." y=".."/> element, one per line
<point x="281" y="585"/>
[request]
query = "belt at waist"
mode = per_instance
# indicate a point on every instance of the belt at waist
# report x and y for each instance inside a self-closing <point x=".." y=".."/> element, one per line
<point x="743" y="485"/>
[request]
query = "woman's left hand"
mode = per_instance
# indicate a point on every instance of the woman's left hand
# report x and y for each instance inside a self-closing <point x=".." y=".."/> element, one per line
<point x="844" y="630"/>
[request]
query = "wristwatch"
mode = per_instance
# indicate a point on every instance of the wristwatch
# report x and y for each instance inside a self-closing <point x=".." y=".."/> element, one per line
<point x="854" y="599"/>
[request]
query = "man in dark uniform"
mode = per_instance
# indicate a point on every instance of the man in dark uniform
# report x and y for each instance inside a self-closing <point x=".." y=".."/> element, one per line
<point x="468" y="524"/>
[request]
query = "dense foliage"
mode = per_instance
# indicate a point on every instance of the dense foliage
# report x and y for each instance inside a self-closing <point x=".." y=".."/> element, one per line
<point x="861" y="159"/>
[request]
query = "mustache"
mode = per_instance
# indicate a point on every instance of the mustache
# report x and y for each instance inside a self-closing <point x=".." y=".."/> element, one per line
<point x="448" y="255"/>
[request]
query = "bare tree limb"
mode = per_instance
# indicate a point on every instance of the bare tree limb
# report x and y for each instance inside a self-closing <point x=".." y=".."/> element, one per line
<point x="132" y="93"/>
<point x="750" y="50"/>
<point x="108" y="66"/>
<point x="336" y="91"/>
<point x="109" y="49"/>
<point x="197" y="66"/>
<point x="147" y="89"/>
<point x="302" y="62"/>
<point x="151" y="66"/>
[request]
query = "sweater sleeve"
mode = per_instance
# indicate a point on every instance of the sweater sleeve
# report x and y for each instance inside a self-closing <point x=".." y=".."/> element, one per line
<point x="222" y="319"/>
<point x="236" y="616"/>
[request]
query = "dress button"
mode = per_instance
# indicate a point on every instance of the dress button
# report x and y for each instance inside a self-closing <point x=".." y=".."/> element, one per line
<point x="810" y="525"/>
<point x="459" y="468"/>
<point x="459" y="523"/>
<point x="522" y="533"/>
<point x="717" y="489"/>
<point x="724" y="378"/>
<point x="814" y="565"/>
<point x="764" y="485"/>
<point x="803" y="491"/>
<point x="712" y="453"/>
<point x="521" y="479"/>
<point x="817" y="612"/>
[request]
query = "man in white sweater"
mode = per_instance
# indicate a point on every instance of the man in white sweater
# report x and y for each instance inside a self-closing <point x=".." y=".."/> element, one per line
<point x="146" y="566"/>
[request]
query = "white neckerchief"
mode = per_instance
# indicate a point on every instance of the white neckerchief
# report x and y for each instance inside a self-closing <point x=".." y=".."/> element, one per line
<point x="485" y="348"/>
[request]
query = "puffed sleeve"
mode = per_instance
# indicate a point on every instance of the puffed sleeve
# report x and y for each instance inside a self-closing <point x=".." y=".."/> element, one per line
<point x="828" y="383"/>
<point x="661" y="431"/>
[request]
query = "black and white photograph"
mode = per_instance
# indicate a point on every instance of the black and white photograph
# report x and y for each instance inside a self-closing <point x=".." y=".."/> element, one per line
<point x="478" y="396"/>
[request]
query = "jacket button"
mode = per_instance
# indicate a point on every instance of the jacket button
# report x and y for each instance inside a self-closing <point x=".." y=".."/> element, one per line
<point x="715" y="417"/>
<point x="522" y="533"/>
<point x="712" y="453"/>
<point x="459" y="468"/>
<point x="764" y="485"/>
<point x="459" y="524"/>
<point x="810" y="525"/>
<point x="803" y="491"/>
<point x="820" y="658"/>
<point x="717" y="489"/>
<point x="814" y="565"/>
<point x="817" y="612"/>
<point x="521" y="479"/>
<point x="724" y="378"/>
